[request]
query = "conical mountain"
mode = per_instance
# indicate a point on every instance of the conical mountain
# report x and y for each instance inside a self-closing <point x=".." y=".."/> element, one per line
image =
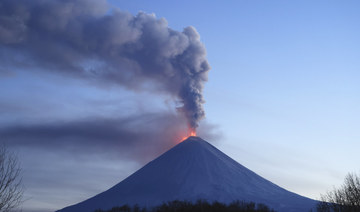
<point x="192" y="170"/>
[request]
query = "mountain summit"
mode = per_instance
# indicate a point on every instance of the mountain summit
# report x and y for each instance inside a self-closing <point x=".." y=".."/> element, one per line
<point x="192" y="170"/>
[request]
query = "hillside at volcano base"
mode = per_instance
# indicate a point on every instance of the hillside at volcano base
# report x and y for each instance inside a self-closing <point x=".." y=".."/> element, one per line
<point x="194" y="170"/>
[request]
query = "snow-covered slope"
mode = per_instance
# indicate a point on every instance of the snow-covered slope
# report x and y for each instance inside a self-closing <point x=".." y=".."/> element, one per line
<point x="192" y="170"/>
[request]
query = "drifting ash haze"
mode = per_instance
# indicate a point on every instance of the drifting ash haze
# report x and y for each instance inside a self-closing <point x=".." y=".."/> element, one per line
<point x="194" y="170"/>
<point x="86" y="39"/>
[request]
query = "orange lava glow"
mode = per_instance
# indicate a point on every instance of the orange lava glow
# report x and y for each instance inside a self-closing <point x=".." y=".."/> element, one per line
<point x="192" y="133"/>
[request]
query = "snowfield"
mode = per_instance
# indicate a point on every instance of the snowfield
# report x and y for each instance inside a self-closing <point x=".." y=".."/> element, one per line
<point x="192" y="170"/>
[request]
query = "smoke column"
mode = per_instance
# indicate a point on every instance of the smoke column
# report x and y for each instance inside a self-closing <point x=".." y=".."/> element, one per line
<point x="86" y="39"/>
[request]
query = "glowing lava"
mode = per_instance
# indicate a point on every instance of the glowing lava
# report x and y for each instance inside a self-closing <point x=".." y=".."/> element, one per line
<point x="192" y="133"/>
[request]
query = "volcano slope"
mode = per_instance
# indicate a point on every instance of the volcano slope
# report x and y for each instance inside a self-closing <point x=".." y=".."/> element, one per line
<point x="193" y="170"/>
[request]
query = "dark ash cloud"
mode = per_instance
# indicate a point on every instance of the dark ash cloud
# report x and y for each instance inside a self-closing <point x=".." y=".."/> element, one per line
<point x="140" y="138"/>
<point x="82" y="38"/>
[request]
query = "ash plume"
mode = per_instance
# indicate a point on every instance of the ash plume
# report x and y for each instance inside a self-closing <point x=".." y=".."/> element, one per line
<point x="87" y="39"/>
<point x="133" y="137"/>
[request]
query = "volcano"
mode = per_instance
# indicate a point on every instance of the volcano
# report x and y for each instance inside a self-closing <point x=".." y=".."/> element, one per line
<point x="193" y="170"/>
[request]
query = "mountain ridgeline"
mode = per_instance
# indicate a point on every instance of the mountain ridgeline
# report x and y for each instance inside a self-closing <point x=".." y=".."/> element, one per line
<point x="194" y="170"/>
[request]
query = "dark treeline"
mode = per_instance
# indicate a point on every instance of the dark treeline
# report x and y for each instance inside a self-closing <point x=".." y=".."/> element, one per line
<point x="343" y="199"/>
<point x="199" y="206"/>
<point x="334" y="207"/>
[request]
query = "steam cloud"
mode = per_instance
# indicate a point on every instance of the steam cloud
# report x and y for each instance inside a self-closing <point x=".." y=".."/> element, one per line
<point x="84" y="38"/>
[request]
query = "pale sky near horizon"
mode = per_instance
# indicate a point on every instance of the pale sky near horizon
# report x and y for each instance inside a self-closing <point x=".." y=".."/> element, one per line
<point x="282" y="98"/>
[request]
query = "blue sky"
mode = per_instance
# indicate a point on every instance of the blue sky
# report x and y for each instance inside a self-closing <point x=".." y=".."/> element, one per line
<point x="282" y="97"/>
<point x="283" y="88"/>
